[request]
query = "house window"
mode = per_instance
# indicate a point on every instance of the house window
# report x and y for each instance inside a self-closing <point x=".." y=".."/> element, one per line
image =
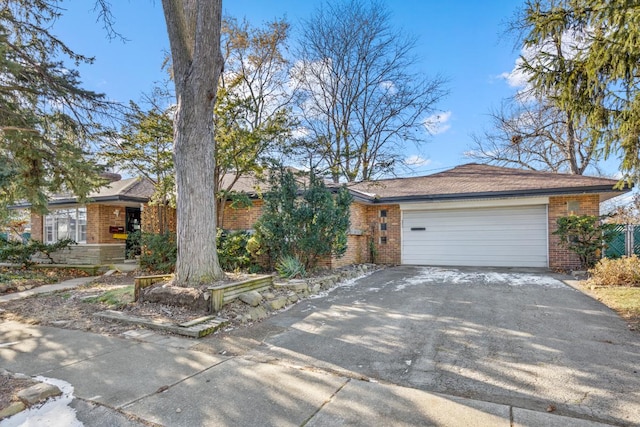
<point x="383" y="240"/>
<point x="383" y="226"/>
<point x="573" y="207"/>
<point x="62" y="224"/>
<point x="383" y="213"/>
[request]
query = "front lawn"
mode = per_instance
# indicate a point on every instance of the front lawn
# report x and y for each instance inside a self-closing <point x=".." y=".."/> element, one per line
<point x="625" y="300"/>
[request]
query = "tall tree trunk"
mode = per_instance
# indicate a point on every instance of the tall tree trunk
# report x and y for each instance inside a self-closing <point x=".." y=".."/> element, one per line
<point x="194" y="37"/>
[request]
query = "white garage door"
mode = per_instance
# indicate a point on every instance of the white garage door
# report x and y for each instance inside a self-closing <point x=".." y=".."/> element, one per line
<point x="495" y="237"/>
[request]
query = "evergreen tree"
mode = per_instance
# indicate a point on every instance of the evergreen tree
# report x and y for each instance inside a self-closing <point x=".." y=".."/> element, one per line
<point x="304" y="223"/>
<point x="47" y="121"/>
<point x="595" y="78"/>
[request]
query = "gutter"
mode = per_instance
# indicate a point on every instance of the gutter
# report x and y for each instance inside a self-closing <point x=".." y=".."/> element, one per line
<point x="70" y="201"/>
<point x="489" y="194"/>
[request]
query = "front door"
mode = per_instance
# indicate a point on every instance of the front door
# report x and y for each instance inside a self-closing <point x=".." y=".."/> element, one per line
<point x="133" y="232"/>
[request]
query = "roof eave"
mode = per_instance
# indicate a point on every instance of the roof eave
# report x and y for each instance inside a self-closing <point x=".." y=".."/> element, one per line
<point x="74" y="200"/>
<point x="492" y="194"/>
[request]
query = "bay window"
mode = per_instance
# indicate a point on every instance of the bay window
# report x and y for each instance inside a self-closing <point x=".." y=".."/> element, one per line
<point x="69" y="223"/>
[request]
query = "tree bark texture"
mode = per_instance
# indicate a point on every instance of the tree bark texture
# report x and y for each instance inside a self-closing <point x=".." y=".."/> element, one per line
<point x="194" y="36"/>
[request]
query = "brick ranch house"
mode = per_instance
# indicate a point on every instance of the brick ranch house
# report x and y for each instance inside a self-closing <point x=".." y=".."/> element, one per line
<point x="476" y="215"/>
<point x="99" y="226"/>
<point x="471" y="215"/>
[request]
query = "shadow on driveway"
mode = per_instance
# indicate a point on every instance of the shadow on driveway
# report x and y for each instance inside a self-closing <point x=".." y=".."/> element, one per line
<point x="521" y="339"/>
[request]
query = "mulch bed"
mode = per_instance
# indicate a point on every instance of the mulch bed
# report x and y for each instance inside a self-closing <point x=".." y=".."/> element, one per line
<point x="16" y="279"/>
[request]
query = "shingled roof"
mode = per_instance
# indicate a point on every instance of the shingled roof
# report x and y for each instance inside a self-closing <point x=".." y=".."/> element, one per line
<point x="481" y="181"/>
<point x="136" y="190"/>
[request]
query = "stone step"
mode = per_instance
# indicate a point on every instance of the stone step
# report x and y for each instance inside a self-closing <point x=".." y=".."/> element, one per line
<point x="196" y="328"/>
<point x="196" y="321"/>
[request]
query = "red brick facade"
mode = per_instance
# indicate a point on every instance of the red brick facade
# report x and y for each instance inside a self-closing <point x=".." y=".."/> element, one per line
<point x="589" y="204"/>
<point x="378" y="227"/>
<point x="358" y="240"/>
<point x="242" y="218"/>
<point x="99" y="219"/>
<point x="385" y="227"/>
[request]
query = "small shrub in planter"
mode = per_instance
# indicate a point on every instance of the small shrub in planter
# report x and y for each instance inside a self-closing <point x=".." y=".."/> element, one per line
<point x="290" y="267"/>
<point x="623" y="271"/>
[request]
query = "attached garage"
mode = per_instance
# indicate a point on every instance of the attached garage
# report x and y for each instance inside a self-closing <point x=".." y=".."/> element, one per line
<point x="505" y="236"/>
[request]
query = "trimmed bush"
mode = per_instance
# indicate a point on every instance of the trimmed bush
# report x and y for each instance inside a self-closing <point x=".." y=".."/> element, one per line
<point x="158" y="252"/>
<point x="623" y="271"/>
<point x="21" y="253"/>
<point x="584" y="235"/>
<point x="232" y="250"/>
<point x="307" y="223"/>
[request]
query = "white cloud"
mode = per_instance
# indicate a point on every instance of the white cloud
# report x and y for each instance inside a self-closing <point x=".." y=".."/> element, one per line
<point x="573" y="43"/>
<point x="438" y="123"/>
<point x="389" y="87"/>
<point x="417" y="160"/>
<point x="300" y="132"/>
<point x="516" y="78"/>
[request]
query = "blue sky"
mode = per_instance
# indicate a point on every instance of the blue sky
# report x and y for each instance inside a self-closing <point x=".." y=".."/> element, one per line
<point x="463" y="41"/>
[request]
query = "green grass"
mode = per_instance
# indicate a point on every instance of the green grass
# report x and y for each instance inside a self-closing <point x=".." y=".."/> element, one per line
<point x="114" y="298"/>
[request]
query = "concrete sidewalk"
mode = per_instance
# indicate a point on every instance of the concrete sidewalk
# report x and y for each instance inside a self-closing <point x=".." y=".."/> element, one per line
<point x="163" y="380"/>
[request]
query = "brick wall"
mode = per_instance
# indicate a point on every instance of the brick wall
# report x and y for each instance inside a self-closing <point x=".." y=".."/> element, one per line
<point x="243" y="218"/>
<point x="357" y="240"/>
<point x="101" y="247"/>
<point x="386" y="237"/>
<point x="99" y="219"/>
<point x="559" y="257"/>
<point x="233" y="219"/>
<point x="37" y="226"/>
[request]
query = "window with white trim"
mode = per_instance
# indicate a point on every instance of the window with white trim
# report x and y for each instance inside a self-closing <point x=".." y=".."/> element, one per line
<point x="69" y="223"/>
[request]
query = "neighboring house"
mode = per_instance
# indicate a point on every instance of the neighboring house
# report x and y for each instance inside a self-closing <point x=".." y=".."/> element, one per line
<point x="99" y="226"/>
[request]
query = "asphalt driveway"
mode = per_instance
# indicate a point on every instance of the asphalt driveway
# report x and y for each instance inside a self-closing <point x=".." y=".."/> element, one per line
<point x="521" y="339"/>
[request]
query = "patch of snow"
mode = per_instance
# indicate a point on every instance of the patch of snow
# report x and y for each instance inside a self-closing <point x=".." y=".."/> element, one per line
<point x="451" y="275"/>
<point x="52" y="413"/>
<point x="319" y="295"/>
<point x="350" y="282"/>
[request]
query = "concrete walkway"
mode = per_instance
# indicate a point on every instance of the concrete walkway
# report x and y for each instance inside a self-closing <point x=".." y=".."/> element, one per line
<point x="66" y="284"/>
<point x="164" y="380"/>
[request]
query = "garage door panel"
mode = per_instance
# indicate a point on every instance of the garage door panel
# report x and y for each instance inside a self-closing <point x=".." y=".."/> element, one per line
<point x="513" y="236"/>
